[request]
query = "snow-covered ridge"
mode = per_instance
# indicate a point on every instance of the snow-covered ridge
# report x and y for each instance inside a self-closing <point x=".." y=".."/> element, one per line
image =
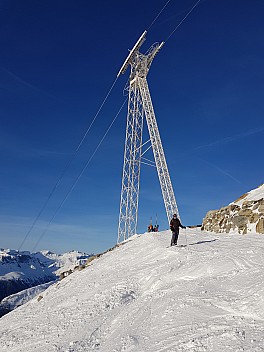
<point x="21" y="264"/>
<point x="254" y="195"/>
<point x="62" y="262"/>
<point x="11" y="302"/>
<point x="147" y="296"/>
<point x="25" y="264"/>
<point x="20" y="270"/>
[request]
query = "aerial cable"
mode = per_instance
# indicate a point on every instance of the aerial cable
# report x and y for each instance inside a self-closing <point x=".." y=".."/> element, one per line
<point x="158" y="15"/>
<point x="184" y="18"/>
<point x="79" y="176"/>
<point x="95" y="117"/>
<point x="73" y="155"/>
<point x="190" y="11"/>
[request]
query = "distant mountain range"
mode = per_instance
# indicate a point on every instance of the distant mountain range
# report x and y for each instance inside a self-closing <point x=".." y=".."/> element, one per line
<point x="23" y="270"/>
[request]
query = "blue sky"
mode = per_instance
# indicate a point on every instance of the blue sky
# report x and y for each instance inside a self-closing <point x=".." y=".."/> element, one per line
<point x="58" y="61"/>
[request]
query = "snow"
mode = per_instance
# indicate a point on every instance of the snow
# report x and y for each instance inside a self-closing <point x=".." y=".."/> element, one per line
<point x="17" y="299"/>
<point x="25" y="265"/>
<point x="16" y="265"/>
<point x="62" y="262"/>
<point x="147" y="296"/>
<point x="21" y="270"/>
<point x="255" y="194"/>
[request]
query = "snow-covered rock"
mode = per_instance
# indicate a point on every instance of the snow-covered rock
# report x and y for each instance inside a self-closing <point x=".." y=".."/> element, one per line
<point x="146" y="296"/>
<point x="245" y="215"/>
<point x="22" y="270"/>
<point x="17" y="299"/>
<point x="62" y="262"/>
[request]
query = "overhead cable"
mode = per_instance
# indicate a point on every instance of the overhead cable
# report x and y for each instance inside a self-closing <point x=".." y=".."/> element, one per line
<point x="79" y="176"/>
<point x="158" y="15"/>
<point x="184" y="18"/>
<point x="73" y="155"/>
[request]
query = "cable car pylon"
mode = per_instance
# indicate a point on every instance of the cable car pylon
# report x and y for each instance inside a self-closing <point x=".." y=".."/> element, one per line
<point x="140" y="106"/>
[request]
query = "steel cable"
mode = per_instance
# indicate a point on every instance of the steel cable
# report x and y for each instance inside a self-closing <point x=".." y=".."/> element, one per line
<point x="158" y="15"/>
<point x="184" y="18"/>
<point x="79" y="176"/>
<point x="73" y="155"/>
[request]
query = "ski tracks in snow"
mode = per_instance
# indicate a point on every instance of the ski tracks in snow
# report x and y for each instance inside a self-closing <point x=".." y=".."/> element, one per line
<point x="146" y="297"/>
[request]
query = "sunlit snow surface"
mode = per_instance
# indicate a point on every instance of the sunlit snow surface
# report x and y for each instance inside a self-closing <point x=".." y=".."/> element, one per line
<point x="255" y="194"/>
<point x="149" y="297"/>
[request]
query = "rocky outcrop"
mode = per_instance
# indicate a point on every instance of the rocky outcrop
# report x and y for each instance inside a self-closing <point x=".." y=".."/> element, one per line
<point x="243" y="216"/>
<point x="260" y="226"/>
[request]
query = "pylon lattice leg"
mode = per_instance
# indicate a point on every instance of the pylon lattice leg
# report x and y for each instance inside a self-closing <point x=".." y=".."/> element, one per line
<point x="131" y="169"/>
<point x="159" y="156"/>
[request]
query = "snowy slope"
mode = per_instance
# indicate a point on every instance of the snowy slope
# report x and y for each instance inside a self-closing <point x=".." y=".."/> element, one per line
<point x="148" y="297"/>
<point x="21" y="270"/>
<point x="17" y="299"/>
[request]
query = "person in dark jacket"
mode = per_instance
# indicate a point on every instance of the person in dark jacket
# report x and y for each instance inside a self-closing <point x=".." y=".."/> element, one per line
<point x="150" y="228"/>
<point x="175" y="224"/>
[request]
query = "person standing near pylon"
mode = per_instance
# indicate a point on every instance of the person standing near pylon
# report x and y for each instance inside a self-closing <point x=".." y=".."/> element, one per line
<point x="175" y="224"/>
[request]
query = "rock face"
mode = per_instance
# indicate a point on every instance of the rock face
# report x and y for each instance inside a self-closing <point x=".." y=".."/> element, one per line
<point x="243" y="216"/>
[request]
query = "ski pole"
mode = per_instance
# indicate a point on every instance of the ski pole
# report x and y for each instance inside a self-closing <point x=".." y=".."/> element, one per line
<point x="186" y="238"/>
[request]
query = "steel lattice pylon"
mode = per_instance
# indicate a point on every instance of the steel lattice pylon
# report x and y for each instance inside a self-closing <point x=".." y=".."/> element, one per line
<point x="140" y="105"/>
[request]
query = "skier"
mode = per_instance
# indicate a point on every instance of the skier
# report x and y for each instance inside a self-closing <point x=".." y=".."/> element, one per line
<point x="175" y="224"/>
<point x="156" y="228"/>
<point x="150" y="228"/>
